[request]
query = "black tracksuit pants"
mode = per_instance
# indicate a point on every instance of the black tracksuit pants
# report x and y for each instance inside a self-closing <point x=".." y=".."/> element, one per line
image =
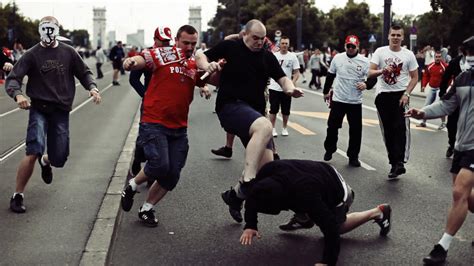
<point x="394" y="125"/>
<point x="354" y="118"/>
<point x="452" y="127"/>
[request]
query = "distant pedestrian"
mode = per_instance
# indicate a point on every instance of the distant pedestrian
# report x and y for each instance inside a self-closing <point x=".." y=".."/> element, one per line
<point x="101" y="58"/>
<point x="116" y="55"/>
<point x="51" y="67"/>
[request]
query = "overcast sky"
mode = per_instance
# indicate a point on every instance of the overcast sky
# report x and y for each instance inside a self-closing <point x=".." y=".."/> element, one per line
<point x="127" y="16"/>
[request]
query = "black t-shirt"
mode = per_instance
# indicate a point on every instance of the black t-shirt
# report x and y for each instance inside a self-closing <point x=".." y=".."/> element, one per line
<point x="245" y="75"/>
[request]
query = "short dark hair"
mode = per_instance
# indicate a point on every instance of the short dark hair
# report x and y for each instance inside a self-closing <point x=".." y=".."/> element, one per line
<point x="285" y="37"/>
<point x="186" y="28"/>
<point x="396" y="27"/>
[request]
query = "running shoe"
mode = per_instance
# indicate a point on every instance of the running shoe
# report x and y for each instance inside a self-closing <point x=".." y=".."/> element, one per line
<point x="235" y="204"/>
<point x="46" y="172"/>
<point x="385" y="222"/>
<point x="223" y="151"/>
<point x="274" y="133"/>
<point x="442" y="126"/>
<point x="284" y="132"/>
<point x="298" y="221"/>
<point x="354" y="162"/>
<point x="127" y="198"/>
<point x="449" y="152"/>
<point x="437" y="256"/>
<point x="148" y="218"/>
<point x="422" y="124"/>
<point x="16" y="204"/>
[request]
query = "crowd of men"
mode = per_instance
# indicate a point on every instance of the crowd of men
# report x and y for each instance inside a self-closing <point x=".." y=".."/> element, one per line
<point x="241" y="67"/>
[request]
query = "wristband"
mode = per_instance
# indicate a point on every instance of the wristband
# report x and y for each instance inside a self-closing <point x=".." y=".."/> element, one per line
<point x="407" y="94"/>
<point x="94" y="89"/>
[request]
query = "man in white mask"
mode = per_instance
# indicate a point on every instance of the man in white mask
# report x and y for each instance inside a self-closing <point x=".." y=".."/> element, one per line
<point x="51" y="67"/>
<point x="462" y="169"/>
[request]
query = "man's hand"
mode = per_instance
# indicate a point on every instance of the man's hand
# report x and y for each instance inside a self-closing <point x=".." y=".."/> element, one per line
<point x="7" y="67"/>
<point x="361" y="86"/>
<point x="422" y="89"/>
<point x="129" y="63"/>
<point x="213" y="67"/>
<point x="405" y="100"/>
<point x="22" y="102"/>
<point x="247" y="236"/>
<point x="95" y="93"/>
<point x="415" y="113"/>
<point x="205" y="92"/>
<point x="296" y="93"/>
<point x="327" y="96"/>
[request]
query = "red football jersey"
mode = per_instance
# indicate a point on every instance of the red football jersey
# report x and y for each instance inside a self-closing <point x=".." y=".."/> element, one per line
<point x="171" y="87"/>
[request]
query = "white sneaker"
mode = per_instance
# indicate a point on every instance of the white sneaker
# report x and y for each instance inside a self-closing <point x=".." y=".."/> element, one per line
<point x="284" y="132"/>
<point x="443" y="125"/>
<point x="274" y="133"/>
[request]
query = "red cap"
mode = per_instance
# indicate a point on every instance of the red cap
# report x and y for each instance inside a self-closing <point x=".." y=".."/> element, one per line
<point x="352" y="39"/>
<point x="163" y="33"/>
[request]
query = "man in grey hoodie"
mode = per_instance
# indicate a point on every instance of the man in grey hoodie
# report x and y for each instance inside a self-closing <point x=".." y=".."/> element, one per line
<point x="461" y="95"/>
<point x="51" y="67"/>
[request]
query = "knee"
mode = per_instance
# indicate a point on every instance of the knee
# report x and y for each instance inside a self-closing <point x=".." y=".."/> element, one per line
<point x="459" y="194"/>
<point x="156" y="169"/>
<point x="169" y="182"/>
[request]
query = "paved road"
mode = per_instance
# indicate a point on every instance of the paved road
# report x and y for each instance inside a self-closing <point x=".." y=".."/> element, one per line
<point x="195" y="227"/>
<point x="59" y="217"/>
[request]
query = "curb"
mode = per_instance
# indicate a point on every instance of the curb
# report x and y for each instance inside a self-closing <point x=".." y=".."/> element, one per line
<point x="100" y="240"/>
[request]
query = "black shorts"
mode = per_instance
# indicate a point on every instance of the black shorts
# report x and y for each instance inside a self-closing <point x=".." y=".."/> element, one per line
<point x="462" y="159"/>
<point x="236" y="118"/>
<point x="278" y="98"/>
<point x="117" y="64"/>
<point x="302" y="69"/>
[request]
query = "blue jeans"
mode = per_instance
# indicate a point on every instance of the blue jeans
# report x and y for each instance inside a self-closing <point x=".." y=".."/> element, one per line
<point x="431" y="97"/>
<point x="48" y="130"/>
<point x="166" y="150"/>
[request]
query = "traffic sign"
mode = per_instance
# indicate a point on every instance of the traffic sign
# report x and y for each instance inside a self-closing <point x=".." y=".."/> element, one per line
<point x="372" y="38"/>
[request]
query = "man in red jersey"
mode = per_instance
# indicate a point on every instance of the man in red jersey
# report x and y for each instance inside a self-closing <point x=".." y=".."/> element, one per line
<point x="164" y="121"/>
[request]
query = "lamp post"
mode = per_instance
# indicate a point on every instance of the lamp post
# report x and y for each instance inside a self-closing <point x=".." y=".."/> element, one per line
<point x="387" y="20"/>
<point x="299" y="25"/>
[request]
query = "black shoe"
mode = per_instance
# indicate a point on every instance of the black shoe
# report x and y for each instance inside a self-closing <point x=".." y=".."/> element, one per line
<point x="235" y="204"/>
<point x="127" y="198"/>
<point x="16" y="204"/>
<point x="449" y="152"/>
<point x="46" y="172"/>
<point x="223" y="151"/>
<point x="354" y="162"/>
<point x="276" y="157"/>
<point x="327" y="156"/>
<point x="298" y="221"/>
<point x="385" y="223"/>
<point x="148" y="218"/>
<point x="437" y="256"/>
<point x="115" y="83"/>
<point x="396" y="170"/>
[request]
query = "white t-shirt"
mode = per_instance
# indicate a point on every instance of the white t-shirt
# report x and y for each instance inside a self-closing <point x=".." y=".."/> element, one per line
<point x="349" y="71"/>
<point x="288" y="63"/>
<point x="402" y="62"/>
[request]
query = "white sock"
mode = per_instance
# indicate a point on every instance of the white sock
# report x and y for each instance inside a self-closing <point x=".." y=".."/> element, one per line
<point x="21" y="194"/>
<point x="43" y="162"/>
<point x="445" y="241"/>
<point x="146" y="207"/>
<point x="133" y="184"/>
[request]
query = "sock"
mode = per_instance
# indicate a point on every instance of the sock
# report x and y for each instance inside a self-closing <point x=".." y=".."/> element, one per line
<point x="21" y="194"/>
<point x="133" y="184"/>
<point x="146" y="207"/>
<point x="445" y="241"/>
<point x="43" y="162"/>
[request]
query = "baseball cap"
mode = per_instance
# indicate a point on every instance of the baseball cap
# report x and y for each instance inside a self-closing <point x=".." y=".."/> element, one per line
<point x="163" y="33"/>
<point x="352" y="39"/>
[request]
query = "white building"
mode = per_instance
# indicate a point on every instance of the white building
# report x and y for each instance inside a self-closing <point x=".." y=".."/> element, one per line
<point x="136" y="39"/>
<point x="98" y="37"/>
<point x="195" y="20"/>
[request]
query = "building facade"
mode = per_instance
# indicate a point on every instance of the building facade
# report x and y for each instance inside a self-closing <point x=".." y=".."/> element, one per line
<point x="99" y="26"/>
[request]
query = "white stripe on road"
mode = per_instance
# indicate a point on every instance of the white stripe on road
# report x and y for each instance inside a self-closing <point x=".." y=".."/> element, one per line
<point x="74" y="110"/>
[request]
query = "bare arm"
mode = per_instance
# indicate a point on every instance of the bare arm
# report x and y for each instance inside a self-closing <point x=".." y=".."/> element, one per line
<point x="374" y="71"/>
<point x="289" y="88"/>
<point x="202" y="63"/>
<point x="295" y="76"/>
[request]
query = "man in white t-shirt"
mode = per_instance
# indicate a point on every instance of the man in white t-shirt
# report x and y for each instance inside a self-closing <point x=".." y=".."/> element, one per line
<point x="290" y="65"/>
<point x="348" y="71"/>
<point x="396" y="69"/>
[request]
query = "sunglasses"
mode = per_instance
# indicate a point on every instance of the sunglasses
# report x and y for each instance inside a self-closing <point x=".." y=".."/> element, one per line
<point x="350" y="46"/>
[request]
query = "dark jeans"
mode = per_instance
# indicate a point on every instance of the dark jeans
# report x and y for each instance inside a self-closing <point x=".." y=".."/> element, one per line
<point x="354" y="118"/>
<point x="315" y="78"/>
<point x="99" y="70"/>
<point x="49" y="130"/>
<point x="395" y="126"/>
<point x="166" y="150"/>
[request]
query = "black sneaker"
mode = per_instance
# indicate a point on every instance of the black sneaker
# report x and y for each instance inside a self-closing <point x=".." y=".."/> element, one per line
<point x="127" y="198"/>
<point x="298" y="221"/>
<point x="148" y="218"/>
<point x="115" y="83"/>
<point x="46" y="172"/>
<point x="354" y="162"/>
<point x="396" y="170"/>
<point x="449" y="152"/>
<point x="235" y="204"/>
<point x="16" y="204"/>
<point x="223" y="151"/>
<point x="385" y="223"/>
<point x="327" y="156"/>
<point x="437" y="256"/>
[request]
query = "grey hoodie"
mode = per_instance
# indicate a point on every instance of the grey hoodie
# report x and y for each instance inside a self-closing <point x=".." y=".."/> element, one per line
<point x="463" y="96"/>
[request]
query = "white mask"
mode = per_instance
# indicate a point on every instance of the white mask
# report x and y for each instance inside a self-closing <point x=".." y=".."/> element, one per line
<point x="48" y="31"/>
<point x="470" y="60"/>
